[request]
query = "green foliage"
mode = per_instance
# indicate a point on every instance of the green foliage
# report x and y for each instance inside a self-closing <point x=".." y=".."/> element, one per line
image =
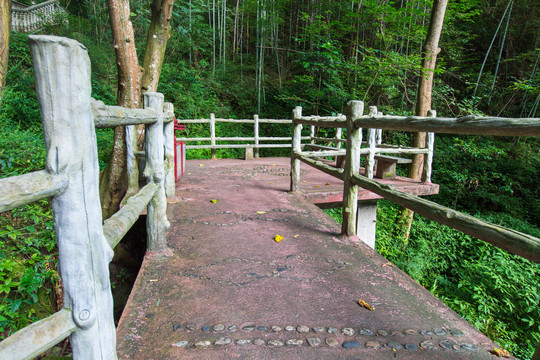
<point x="28" y="259"/>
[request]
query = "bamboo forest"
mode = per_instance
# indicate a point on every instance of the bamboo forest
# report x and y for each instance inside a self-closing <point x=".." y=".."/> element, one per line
<point x="238" y="58"/>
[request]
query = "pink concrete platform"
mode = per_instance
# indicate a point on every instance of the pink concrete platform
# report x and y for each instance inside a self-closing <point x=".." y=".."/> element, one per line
<point x="226" y="282"/>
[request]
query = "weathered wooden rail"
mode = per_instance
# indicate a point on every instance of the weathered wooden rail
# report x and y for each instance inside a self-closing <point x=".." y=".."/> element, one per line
<point x="510" y="240"/>
<point x="70" y="116"/>
<point x="34" y="17"/>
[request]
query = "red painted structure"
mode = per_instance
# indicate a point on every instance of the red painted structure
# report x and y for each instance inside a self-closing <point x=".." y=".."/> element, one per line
<point x="179" y="152"/>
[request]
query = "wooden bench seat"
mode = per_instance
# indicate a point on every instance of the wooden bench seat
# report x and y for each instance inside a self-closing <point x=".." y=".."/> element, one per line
<point x="385" y="165"/>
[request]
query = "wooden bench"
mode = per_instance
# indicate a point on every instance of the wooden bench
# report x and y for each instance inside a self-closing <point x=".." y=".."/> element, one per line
<point x="385" y="165"/>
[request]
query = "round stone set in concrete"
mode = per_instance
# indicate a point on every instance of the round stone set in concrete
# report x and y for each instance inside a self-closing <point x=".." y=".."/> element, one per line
<point x="315" y="337"/>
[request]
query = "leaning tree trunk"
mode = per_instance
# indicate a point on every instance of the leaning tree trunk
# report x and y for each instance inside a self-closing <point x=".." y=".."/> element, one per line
<point x="5" y="27"/>
<point x="430" y="50"/>
<point x="114" y="180"/>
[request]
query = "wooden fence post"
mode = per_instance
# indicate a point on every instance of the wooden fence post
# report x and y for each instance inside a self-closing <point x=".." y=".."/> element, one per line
<point x="429" y="156"/>
<point x="355" y="109"/>
<point x="156" y="221"/>
<point x="168" y="138"/>
<point x="62" y="71"/>
<point x="339" y="132"/>
<point x="256" y="134"/>
<point x="372" y="144"/>
<point x="312" y="133"/>
<point x="213" y="136"/>
<point x="296" y="146"/>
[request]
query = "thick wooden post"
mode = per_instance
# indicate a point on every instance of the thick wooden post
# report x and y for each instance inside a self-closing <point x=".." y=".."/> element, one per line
<point x="156" y="220"/>
<point x="256" y="134"/>
<point x="312" y="133"/>
<point x="62" y="71"/>
<point x="213" y="136"/>
<point x="168" y="138"/>
<point x="296" y="146"/>
<point x="430" y="145"/>
<point x="355" y="109"/>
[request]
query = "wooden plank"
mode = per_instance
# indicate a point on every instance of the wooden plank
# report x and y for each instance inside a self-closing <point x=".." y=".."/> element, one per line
<point x="33" y="340"/>
<point x="115" y="227"/>
<point x="24" y="189"/>
<point x="466" y="125"/>
<point x="330" y="170"/>
<point x="513" y="241"/>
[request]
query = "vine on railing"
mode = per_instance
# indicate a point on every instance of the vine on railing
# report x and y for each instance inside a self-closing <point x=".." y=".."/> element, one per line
<point x="85" y="244"/>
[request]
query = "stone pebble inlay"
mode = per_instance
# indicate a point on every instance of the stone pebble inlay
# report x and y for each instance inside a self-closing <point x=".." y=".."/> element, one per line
<point x="445" y="344"/>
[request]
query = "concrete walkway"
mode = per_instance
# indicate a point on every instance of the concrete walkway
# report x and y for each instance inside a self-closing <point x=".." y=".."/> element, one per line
<point x="227" y="289"/>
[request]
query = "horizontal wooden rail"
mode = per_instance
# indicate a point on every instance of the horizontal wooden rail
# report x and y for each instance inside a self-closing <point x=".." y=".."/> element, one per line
<point x="106" y="116"/>
<point x="390" y="150"/>
<point x="184" y="139"/>
<point x="335" y="172"/>
<point x="329" y="139"/>
<point x="33" y="340"/>
<point x="237" y="146"/>
<point x="326" y="122"/>
<point x="515" y="242"/>
<point x="324" y="153"/>
<point x="466" y="125"/>
<point x="239" y="121"/>
<point x="320" y="147"/>
<point x="115" y="227"/>
<point x="25" y="189"/>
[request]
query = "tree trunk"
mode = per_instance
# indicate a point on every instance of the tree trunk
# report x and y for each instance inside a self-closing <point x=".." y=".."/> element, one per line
<point x="430" y="50"/>
<point x="158" y="35"/>
<point x="114" y="179"/>
<point x="5" y="28"/>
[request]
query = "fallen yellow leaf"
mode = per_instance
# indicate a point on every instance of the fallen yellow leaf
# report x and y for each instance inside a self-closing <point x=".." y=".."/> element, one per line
<point x="270" y="183"/>
<point x="316" y="186"/>
<point x="365" y="304"/>
<point x="295" y="236"/>
<point x="500" y="352"/>
<point x="327" y="183"/>
<point x="214" y="201"/>
<point x="261" y="212"/>
<point x="201" y="164"/>
<point x="278" y="238"/>
<point x="273" y="164"/>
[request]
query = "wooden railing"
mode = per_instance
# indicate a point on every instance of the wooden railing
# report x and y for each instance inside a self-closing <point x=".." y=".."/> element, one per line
<point x="34" y="17"/>
<point x="254" y="142"/>
<point x="510" y="240"/>
<point x="70" y="116"/>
